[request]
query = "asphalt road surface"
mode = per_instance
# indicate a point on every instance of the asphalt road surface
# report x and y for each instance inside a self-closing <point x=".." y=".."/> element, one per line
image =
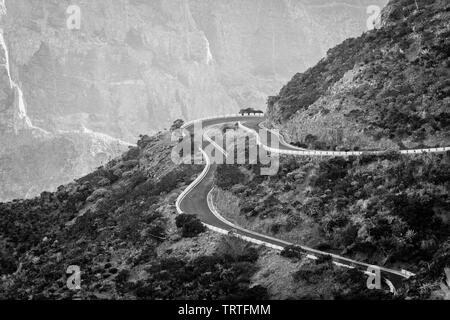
<point x="195" y="202"/>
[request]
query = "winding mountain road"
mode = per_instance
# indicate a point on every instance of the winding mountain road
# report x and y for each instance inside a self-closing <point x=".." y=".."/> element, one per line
<point x="197" y="199"/>
<point x="285" y="148"/>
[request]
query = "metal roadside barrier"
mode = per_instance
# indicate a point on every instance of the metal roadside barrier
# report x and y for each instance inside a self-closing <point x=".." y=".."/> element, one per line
<point x="332" y="153"/>
<point x="311" y="253"/>
<point x="192" y="122"/>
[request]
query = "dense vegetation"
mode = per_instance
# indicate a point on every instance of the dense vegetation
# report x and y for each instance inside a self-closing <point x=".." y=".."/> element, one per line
<point x="224" y="275"/>
<point x="339" y="283"/>
<point x="120" y="224"/>
<point x="402" y="89"/>
<point x="391" y="210"/>
<point x="190" y="225"/>
<point x="115" y="223"/>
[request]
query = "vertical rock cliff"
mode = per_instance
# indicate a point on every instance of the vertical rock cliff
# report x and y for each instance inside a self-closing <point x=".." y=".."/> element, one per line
<point x="134" y="66"/>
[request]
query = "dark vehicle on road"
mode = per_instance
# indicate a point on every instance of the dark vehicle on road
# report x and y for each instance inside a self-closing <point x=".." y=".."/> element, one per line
<point x="249" y="111"/>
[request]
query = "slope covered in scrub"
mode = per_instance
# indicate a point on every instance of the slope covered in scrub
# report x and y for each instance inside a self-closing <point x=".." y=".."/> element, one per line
<point x="391" y="211"/>
<point x="389" y="88"/>
<point x="118" y="224"/>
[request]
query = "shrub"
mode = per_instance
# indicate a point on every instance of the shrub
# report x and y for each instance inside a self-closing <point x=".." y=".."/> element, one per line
<point x="313" y="273"/>
<point x="132" y="154"/>
<point x="324" y="259"/>
<point x="291" y="252"/>
<point x="190" y="225"/>
<point x="7" y="263"/>
<point x="123" y="276"/>
<point x="177" y="124"/>
<point x="228" y="176"/>
<point x="235" y="249"/>
<point x="157" y="231"/>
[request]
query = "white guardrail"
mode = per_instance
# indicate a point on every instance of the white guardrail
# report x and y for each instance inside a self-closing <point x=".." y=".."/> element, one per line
<point x="197" y="181"/>
<point x="205" y="156"/>
<point x="212" y="208"/>
<point x="190" y="123"/>
<point x="305" y="152"/>
<point x="320" y="153"/>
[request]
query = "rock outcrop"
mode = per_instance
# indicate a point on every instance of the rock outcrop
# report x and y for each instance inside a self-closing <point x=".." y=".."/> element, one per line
<point x="135" y="66"/>
<point x="387" y="89"/>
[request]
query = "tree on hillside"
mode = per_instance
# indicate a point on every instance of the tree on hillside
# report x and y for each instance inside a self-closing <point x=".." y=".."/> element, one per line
<point x="177" y="124"/>
<point x="190" y="225"/>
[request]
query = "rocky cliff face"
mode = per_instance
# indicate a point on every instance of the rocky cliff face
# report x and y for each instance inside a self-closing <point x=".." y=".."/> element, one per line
<point x="386" y="89"/>
<point x="135" y="66"/>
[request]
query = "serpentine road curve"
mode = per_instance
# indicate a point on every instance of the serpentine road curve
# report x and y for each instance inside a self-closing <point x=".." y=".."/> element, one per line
<point x="196" y="198"/>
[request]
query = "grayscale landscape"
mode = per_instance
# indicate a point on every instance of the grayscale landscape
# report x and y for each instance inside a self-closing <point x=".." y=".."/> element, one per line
<point x="224" y="150"/>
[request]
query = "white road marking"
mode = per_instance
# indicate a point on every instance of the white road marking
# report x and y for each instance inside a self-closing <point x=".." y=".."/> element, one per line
<point x="404" y="273"/>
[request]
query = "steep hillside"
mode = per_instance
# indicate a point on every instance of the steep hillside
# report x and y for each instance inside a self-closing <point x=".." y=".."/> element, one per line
<point x="118" y="224"/>
<point x="135" y="66"/>
<point x="392" y="211"/>
<point x="44" y="162"/>
<point x="387" y="89"/>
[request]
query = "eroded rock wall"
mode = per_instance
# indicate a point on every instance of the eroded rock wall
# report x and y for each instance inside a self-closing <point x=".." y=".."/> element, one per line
<point x="134" y="66"/>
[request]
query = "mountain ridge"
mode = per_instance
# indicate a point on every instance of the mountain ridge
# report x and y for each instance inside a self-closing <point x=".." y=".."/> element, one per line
<point x="136" y="66"/>
<point x="357" y="96"/>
